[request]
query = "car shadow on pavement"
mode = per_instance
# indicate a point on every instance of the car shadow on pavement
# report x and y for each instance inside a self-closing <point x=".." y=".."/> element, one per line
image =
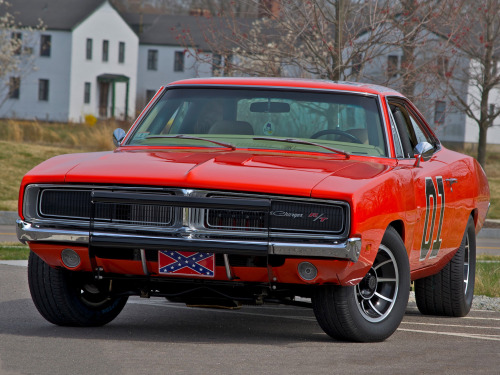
<point x="162" y="322"/>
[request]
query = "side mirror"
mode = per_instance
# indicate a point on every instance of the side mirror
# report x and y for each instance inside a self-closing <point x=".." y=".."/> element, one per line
<point x="118" y="136"/>
<point x="423" y="152"/>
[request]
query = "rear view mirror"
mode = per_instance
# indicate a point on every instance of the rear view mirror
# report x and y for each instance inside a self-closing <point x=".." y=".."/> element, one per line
<point x="423" y="152"/>
<point x="270" y="107"/>
<point x="118" y="136"/>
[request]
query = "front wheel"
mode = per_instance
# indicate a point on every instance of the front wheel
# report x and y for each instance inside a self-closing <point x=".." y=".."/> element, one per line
<point x="70" y="298"/>
<point x="373" y="309"/>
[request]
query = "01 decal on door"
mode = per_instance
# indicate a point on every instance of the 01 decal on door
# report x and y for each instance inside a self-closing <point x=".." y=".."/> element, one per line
<point x="431" y="244"/>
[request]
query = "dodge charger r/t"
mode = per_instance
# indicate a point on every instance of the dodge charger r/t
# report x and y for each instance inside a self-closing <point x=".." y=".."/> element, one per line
<point x="231" y="191"/>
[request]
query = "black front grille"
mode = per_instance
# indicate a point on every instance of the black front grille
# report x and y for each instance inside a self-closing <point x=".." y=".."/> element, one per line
<point x="65" y="203"/>
<point x="139" y="209"/>
<point x="236" y="220"/>
<point x="75" y="204"/>
<point x="290" y="215"/>
<point x="135" y="214"/>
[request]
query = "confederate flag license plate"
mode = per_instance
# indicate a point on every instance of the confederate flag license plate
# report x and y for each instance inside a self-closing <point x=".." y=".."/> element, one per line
<point x="186" y="263"/>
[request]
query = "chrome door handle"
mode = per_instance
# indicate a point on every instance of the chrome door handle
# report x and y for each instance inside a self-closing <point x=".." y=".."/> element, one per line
<point x="451" y="181"/>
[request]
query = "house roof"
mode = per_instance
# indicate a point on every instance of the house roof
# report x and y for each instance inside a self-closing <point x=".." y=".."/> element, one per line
<point x="165" y="29"/>
<point x="175" y="30"/>
<point x="55" y="14"/>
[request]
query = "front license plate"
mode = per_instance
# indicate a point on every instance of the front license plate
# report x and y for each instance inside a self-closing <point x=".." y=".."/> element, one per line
<point x="186" y="263"/>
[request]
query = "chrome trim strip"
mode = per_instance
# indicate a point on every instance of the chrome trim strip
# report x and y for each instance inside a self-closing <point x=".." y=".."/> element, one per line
<point x="349" y="249"/>
<point x="144" y="264"/>
<point x="28" y="232"/>
<point x="394" y="130"/>
<point x="229" y="274"/>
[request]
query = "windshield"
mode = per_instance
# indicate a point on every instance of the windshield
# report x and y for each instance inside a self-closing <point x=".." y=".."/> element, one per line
<point x="241" y="118"/>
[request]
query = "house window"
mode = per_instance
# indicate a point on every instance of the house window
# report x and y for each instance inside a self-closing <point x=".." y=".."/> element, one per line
<point x="492" y="110"/>
<point x="17" y="41"/>
<point x="121" y="52"/>
<point x="442" y="67"/>
<point x="14" y="85"/>
<point x="392" y="66"/>
<point x="86" y="93"/>
<point x="439" y="112"/>
<point x="88" y="52"/>
<point x="150" y="94"/>
<point x="45" y="43"/>
<point x="216" y="65"/>
<point x="43" y="90"/>
<point x="105" y="50"/>
<point x="179" y="61"/>
<point x="356" y="64"/>
<point x="152" y="59"/>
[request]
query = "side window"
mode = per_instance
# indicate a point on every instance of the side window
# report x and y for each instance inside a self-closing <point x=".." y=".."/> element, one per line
<point x="410" y="131"/>
<point x="403" y="126"/>
<point x="419" y="133"/>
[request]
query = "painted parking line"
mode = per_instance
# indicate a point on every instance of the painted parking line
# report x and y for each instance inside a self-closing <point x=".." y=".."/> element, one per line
<point x="477" y="318"/>
<point x="455" y="334"/>
<point x="448" y="325"/>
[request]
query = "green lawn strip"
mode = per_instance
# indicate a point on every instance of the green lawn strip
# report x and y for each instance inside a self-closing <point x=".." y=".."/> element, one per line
<point x="487" y="276"/>
<point x="13" y="251"/>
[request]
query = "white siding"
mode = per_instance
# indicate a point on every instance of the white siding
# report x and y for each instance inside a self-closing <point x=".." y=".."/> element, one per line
<point x="104" y="24"/>
<point x="154" y="79"/>
<point x="56" y="69"/>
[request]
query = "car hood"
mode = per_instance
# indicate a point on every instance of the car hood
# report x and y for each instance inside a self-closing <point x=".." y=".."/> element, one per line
<point x="239" y="170"/>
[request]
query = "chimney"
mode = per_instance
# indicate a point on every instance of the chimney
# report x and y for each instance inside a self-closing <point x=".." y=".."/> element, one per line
<point x="269" y="8"/>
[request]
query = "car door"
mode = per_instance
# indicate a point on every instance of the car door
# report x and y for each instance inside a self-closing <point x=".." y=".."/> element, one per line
<point x="429" y="221"/>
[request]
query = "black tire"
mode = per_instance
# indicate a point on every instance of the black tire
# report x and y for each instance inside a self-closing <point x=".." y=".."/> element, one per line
<point x="450" y="292"/>
<point x="345" y="313"/>
<point x="70" y="298"/>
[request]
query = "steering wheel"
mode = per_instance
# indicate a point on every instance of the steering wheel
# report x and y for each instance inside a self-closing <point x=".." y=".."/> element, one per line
<point x="338" y="132"/>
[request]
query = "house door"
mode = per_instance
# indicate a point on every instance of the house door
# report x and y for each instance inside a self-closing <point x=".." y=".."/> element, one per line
<point x="103" y="98"/>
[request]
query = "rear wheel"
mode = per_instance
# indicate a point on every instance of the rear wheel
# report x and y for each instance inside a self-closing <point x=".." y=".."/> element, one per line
<point x="373" y="309"/>
<point x="70" y="298"/>
<point x="450" y="292"/>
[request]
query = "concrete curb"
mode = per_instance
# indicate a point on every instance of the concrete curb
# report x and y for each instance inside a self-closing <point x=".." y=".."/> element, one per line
<point x="8" y="217"/>
<point x="489" y="233"/>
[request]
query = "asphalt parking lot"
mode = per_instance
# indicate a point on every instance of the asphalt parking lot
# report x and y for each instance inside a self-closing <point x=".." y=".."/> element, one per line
<point x="153" y="335"/>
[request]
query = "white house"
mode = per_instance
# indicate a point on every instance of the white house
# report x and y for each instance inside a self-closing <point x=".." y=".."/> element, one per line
<point x="164" y="56"/>
<point x="92" y="60"/>
<point x="86" y="60"/>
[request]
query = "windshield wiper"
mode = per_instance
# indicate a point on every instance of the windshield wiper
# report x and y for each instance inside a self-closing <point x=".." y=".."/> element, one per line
<point x="300" y="141"/>
<point x="182" y="136"/>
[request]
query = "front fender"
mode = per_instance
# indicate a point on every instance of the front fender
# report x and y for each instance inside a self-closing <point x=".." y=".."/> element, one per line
<point x="375" y="204"/>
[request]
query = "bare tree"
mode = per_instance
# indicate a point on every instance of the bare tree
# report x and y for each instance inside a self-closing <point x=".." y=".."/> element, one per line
<point x="314" y="38"/>
<point x="479" y="43"/>
<point x="17" y="57"/>
<point x="333" y="39"/>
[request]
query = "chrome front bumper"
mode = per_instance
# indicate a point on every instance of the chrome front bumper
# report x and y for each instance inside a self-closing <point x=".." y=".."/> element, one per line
<point x="349" y="249"/>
